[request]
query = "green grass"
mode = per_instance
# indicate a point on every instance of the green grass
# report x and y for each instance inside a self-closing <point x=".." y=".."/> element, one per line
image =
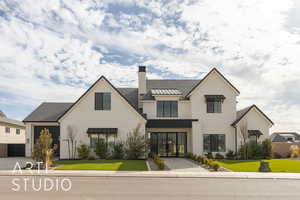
<point x="110" y="165"/>
<point x="291" y="166"/>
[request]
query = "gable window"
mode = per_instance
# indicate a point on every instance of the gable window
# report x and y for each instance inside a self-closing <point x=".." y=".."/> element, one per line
<point x="167" y="108"/>
<point x="102" y="101"/>
<point x="214" y="143"/>
<point x="17" y="131"/>
<point x="214" y="103"/>
<point x="7" y="130"/>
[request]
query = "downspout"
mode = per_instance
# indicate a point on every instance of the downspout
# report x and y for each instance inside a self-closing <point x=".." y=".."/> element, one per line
<point x="235" y="128"/>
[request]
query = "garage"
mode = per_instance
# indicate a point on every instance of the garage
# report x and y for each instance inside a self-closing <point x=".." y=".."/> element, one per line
<point x="15" y="150"/>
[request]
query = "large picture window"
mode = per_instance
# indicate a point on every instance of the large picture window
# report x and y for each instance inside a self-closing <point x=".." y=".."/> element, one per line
<point x="214" y="143"/>
<point x="102" y="101"/>
<point x="167" y="109"/>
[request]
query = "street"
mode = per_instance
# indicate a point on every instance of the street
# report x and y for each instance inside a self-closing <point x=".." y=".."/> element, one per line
<point x="124" y="188"/>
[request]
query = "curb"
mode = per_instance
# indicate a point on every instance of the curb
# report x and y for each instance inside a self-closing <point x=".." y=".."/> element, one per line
<point x="154" y="174"/>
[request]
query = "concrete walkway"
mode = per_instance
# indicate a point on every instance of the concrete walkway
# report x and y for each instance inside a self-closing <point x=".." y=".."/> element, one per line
<point x="183" y="165"/>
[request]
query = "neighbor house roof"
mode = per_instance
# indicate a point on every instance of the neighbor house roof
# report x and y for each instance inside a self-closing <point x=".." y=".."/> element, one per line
<point x="243" y="112"/>
<point x="282" y="136"/>
<point x="51" y="112"/>
<point x="11" y="121"/>
<point x="2" y="114"/>
<point x="182" y="86"/>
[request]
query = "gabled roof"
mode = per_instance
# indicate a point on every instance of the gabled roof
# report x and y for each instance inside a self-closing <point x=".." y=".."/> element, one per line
<point x="125" y="91"/>
<point x="202" y="80"/>
<point x="282" y="136"/>
<point x="243" y="112"/>
<point x="48" y="112"/>
<point x="6" y="120"/>
<point x="165" y="92"/>
<point x="184" y="86"/>
<point x="2" y="114"/>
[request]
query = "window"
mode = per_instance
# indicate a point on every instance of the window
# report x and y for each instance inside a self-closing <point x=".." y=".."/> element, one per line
<point x="7" y="130"/>
<point x="17" y="131"/>
<point x="102" y="101"/>
<point x="214" y="143"/>
<point x="253" y="138"/>
<point x="167" y="109"/>
<point x="214" y="106"/>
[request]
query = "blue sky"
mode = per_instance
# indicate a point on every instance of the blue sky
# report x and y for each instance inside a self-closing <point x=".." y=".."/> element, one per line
<point x="53" y="50"/>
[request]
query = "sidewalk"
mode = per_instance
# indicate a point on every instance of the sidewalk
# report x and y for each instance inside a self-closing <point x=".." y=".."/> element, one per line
<point x="155" y="174"/>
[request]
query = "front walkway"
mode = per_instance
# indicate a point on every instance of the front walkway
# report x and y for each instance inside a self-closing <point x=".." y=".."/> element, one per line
<point x="183" y="165"/>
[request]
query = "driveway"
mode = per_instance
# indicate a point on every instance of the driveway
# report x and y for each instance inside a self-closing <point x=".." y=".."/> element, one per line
<point x="9" y="163"/>
<point x="182" y="164"/>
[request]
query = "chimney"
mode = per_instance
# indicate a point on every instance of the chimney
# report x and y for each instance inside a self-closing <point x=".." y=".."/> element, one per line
<point x="142" y="82"/>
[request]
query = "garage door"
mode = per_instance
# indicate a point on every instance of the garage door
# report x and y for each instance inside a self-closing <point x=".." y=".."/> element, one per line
<point x="15" y="150"/>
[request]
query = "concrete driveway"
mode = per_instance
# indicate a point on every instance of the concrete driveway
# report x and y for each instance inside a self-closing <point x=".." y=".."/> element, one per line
<point x="9" y="163"/>
<point x="182" y="164"/>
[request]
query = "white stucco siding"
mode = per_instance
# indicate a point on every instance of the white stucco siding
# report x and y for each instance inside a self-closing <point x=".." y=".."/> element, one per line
<point x="255" y="121"/>
<point x="83" y="116"/>
<point x="213" y="123"/>
<point x="11" y="137"/>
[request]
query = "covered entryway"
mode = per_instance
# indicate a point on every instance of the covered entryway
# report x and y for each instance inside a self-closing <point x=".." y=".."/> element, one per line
<point x="171" y="144"/>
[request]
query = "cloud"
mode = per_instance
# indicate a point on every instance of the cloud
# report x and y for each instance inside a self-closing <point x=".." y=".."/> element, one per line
<point x="53" y="50"/>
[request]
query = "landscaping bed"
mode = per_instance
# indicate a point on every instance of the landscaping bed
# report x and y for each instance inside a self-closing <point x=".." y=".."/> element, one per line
<point x="288" y="166"/>
<point x="107" y="165"/>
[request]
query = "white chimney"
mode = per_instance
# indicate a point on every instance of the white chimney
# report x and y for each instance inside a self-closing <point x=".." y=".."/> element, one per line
<point x="142" y="80"/>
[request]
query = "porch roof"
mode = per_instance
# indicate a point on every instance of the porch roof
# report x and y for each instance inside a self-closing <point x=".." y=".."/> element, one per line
<point x="102" y="130"/>
<point x="255" y="132"/>
<point x="170" y="123"/>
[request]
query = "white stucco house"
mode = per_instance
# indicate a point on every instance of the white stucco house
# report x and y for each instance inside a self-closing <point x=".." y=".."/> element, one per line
<point x="12" y="137"/>
<point x="178" y="116"/>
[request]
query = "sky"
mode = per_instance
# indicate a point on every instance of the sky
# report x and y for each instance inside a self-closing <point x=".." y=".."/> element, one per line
<point x="54" y="50"/>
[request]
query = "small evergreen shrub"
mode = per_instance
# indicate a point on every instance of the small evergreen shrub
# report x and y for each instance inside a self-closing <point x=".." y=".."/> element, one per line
<point x="267" y="149"/>
<point x="83" y="151"/>
<point x="118" y="151"/>
<point x="159" y="162"/>
<point x="101" y="149"/>
<point x="230" y="155"/>
<point x="219" y="156"/>
<point x="215" y="166"/>
<point x="91" y="157"/>
<point x="209" y="155"/>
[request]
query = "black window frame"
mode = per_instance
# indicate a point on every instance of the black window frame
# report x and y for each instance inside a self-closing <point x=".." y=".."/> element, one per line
<point x="18" y="131"/>
<point x="214" y="108"/>
<point x="169" y="109"/>
<point x="214" y="143"/>
<point x="7" y="129"/>
<point x="100" y="101"/>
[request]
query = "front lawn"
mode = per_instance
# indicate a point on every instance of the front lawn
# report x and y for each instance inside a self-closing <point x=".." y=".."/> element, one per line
<point x="291" y="166"/>
<point x="109" y="165"/>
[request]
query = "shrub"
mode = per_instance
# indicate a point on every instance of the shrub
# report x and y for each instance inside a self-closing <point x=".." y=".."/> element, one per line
<point x="136" y="144"/>
<point x="205" y="161"/>
<point x="277" y="155"/>
<point x="230" y="155"/>
<point x="83" y="151"/>
<point x="194" y="157"/>
<point x="189" y="155"/>
<point x="118" y="150"/>
<point x="159" y="162"/>
<point x="199" y="159"/>
<point x="209" y="155"/>
<point x="219" y="156"/>
<point x="44" y="148"/>
<point x="267" y="149"/>
<point x="294" y="151"/>
<point x="254" y="150"/>
<point x="215" y="166"/>
<point x="91" y="157"/>
<point x="101" y="149"/>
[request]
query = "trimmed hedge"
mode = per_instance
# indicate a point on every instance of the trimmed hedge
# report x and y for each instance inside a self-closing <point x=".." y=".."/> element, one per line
<point x="204" y="161"/>
<point x="158" y="161"/>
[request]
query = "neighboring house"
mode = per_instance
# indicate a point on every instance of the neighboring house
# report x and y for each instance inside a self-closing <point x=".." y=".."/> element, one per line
<point x="12" y="137"/>
<point x="179" y="116"/>
<point x="282" y="142"/>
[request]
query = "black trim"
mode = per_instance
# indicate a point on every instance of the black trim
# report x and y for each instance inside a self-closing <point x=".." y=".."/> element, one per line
<point x="102" y="77"/>
<point x="142" y="68"/>
<point x="253" y="106"/>
<point x="102" y="131"/>
<point x="214" y="69"/>
<point x="170" y="123"/>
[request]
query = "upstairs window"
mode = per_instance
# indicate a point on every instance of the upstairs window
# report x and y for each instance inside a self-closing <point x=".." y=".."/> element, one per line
<point x="17" y="131"/>
<point x="214" y="103"/>
<point x="102" y="101"/>
<point x="167" y="109"/>
<point x="214" y="143"/>
<point x="7" y="130"/>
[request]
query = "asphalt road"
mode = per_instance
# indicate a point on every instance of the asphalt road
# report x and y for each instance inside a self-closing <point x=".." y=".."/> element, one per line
<point x="132" y="188"/>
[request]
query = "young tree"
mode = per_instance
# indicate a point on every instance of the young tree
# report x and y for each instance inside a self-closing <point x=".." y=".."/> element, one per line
<point x="245" y="135"/>
<point x="136" y="144"/>
<point x="44" y="148"/>
<point x="71" y="141"/>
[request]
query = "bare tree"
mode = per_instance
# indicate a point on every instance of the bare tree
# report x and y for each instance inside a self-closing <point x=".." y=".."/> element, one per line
<point x="245" y="135"/>
<point x="71" y="141"/>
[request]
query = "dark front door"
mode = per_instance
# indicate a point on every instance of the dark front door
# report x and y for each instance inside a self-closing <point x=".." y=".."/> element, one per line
<point x="171" y="144"/>
<point x="54" y="130"/>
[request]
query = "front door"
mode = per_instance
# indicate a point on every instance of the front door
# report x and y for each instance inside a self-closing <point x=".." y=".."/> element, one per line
<point x="168" y="144"/>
